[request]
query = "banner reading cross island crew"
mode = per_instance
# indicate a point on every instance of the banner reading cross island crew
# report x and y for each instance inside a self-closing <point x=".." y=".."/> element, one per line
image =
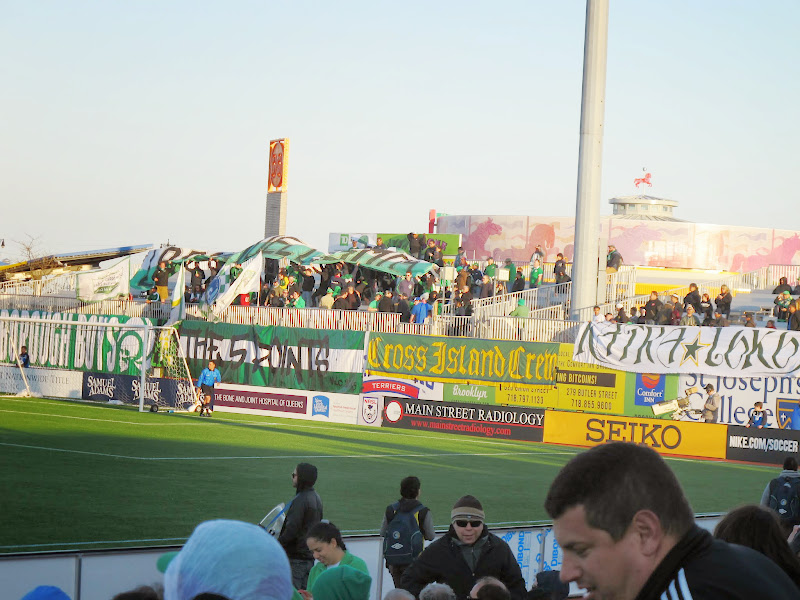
<point x="747" y="352"/>
<point x="461" y="359"/>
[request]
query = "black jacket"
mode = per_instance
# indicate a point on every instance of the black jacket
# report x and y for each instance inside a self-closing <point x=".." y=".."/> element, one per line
<point x="709" y="568"/>
<point x="694" y="299"/>
<point x="304" y="512"/>
<point x="651" y="309"/>
<point x="443" y="562"/>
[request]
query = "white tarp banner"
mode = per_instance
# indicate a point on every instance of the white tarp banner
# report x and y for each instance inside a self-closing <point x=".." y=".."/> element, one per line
<point x="249" y="280"/>
<point x="724" y="351"/>
<point x="105" y="284"/>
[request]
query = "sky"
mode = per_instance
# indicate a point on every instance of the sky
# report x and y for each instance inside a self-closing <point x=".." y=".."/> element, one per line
<point x="149" y="122"/>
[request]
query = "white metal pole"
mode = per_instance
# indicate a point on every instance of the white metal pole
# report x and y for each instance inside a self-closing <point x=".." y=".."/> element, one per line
<point x="143" y="370"/>
<point x="588" y="272"/>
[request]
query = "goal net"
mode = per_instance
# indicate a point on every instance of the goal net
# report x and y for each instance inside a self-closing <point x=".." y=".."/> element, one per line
<point x="115" y="359"/>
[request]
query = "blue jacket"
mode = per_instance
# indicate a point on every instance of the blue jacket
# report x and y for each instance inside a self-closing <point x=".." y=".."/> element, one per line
<point x="209" y="377"/>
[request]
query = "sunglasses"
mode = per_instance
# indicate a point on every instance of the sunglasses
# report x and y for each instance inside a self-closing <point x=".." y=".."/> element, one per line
<point x="464" y="523"/>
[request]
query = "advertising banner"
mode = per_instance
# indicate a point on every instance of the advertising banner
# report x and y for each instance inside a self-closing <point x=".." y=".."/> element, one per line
<point x="704" y="440"/>
<point x="779" y="395"/>
<point x="477" y="394"/>
<point x="461" y="360"/>
<point x="52" y="345"/>
<point x="749" y="352"/>
<point x="102" y="387"/>
<point x="410" y="388"/>
<point x="510" y="423"/>
<point x="43" y="382"/>
<point x="292" y="404"/>
<point x="272" y="356"/>
<point x="769" y="446"/>
<point x="337" y="242"/>
<point x="370" y="410"/>
<point x="105" y="284"/>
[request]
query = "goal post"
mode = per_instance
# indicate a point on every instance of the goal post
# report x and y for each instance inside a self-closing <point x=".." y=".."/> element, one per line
<point x="122" y="359"/>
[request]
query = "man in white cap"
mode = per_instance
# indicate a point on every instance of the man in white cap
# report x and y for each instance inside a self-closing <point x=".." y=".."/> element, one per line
<point x="465" y="554"/>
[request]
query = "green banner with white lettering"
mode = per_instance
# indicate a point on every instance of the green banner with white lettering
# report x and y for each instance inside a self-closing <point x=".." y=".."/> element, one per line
<point x="78" y="347"/>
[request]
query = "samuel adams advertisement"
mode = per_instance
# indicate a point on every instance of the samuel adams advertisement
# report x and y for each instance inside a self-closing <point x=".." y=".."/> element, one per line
<point x="506" y="422"/>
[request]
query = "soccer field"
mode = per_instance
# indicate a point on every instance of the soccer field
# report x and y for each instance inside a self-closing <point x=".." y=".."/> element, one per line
<point x="78" y="475"/>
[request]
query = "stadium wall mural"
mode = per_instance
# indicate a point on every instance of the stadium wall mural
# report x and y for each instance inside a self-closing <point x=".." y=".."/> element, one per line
<point x="673" y="244"/>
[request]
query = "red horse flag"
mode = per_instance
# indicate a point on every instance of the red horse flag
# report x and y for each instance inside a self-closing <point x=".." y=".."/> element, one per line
<point x="641" y="180"/>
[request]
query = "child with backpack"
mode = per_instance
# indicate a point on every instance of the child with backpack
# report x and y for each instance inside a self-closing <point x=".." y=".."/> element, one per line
<point x="406" y="524"/>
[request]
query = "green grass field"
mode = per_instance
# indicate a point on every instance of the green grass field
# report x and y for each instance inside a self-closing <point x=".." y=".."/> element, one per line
<point x="77" y="475"/>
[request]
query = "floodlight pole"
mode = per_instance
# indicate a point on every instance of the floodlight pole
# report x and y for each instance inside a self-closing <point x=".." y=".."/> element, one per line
<point x="588" y="272"/>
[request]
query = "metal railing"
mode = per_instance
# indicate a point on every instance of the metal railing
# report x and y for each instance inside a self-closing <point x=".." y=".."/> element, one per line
<point x="737" y="284"/>
<point x="55" y="304"/>
<point x="47" y="286"/>
<point x="532" y="330"/>
<point x="770" y="276"/>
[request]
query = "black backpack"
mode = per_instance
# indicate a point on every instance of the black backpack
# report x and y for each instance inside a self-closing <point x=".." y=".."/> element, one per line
<point x="784" y="498"/>
<point x="403" y="541"/>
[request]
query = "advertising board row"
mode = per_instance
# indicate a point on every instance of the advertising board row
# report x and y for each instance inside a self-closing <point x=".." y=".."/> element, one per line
<point x="668" y="437"/>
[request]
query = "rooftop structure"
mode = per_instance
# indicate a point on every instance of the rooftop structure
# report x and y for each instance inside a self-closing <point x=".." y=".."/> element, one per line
<point x="646" y="208"/>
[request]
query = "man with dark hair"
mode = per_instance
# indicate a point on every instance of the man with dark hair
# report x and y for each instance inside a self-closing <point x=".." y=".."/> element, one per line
<point x="782" y="495"/>
<point x="711" y="407"/>
<point x="303" y="512"/>
<point x="489" y="588"/>
<point x="408" y="507"/>
<point x="464" y="554"/>
<point x="627" y="532"/>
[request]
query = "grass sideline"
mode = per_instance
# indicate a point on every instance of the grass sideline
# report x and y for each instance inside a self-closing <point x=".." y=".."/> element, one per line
<point x="79" y="475"/>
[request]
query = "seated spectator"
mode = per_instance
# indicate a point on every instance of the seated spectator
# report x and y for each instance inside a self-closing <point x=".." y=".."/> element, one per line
<point x="794" y="317"/>
<point x="548" y="586"/>
<point x="690" y="318"/>
<point x="770" y="324"/>
<point x="677" y="315"/>
<point x="796" y="288"/>
<point x="665" y="314"/>
<point x="782" y="302"/>
<point x="489" y="588"/>
<point x="519" y="281"/>
<point x="325" y="541"/>
<point x="723" y="301"/>
<point x="783" y="286"/>
<point x="620" y="317"/>
<point x="693" y="298"/>
<point x="706" y="311"/>
<point x="437" y="591"/>
<point x="652" y="308"/>
<point x="759" y="528"/>
<point x="233" y="559"/>
<point x="748" y="320"/>
<point x="720" y="320"/>
<point x="609" y="318"/>
<point x="143" y="592"/>
<point x="676" y="303"/>
<point x="598" y="317"/>
<point x="342" y="583"/>
<point x="46" y="592"/>
<point x="633" y="318"/>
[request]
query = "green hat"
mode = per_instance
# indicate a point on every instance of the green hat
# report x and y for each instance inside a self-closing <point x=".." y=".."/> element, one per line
<point x="342" y="583"/>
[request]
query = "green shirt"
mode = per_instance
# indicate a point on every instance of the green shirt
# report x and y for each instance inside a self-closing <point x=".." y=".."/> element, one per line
<point x="535" y="275"/>
<point x="490" y="270"/>
<point x="349" y="560"/>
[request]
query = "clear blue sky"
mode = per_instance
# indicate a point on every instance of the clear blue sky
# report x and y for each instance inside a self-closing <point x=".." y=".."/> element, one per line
<point x="142" y="121"/>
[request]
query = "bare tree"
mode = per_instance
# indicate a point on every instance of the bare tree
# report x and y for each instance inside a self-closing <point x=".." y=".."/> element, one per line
<point x="31" y="251"/>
